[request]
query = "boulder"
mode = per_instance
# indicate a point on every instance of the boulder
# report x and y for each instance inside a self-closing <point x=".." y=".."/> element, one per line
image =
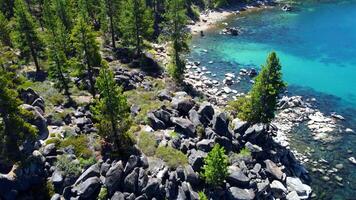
<point x="154" y="122"/>
<point x="292" y="196"/>
<point x="142" y="179"/>
<point x="131" y="181"/>
<point x="221" y="124"/>
<point x="238" y="178"/>
<point x="164" y="116"/>
<point x="49" y="150"/>
<point x="196" y="159"/>
<point x="295" y="184"/>
<point x="274" y="170"/>
<point x="253" y="148"/>
<point x="239" y="126"/>
<point x="152" y="188"/>
<point x="118" y="196"/>
<point x="190" y="176"/>
<point x="114" y="177"/>
<point x="236" y="193"/>
<point x="164" y="95"/>
<point x="92" y="171"/>
<point x="205" y="145"/>
<point x="88" y="188"/>
<point x="206" y="113"/>
<point x="57" y="180"/>
<point x="131" y="164"/>
<point x="183" y="105"/>
<point x="278" y="190"/>
<point x="194" y="117"/>
<point x="255" y="133"/>
<point x="38" y="120"/>
<point x="184" y="126"/>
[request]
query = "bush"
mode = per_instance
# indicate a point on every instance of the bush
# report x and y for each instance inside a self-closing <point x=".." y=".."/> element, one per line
<point x="147" y="143"/>
<point x="202" y="196"/>
<point x="172" y="157"/>
<point x="103" y="193"/>
<point x="49" y="189"/>
<point x="53" y="140"/>
<point x="245" y="152"/>
<point x="84" y="163"/>
<point x="215" y="166"/>
<point x="67" y="166"/>
<point x="200" y="131"/>
<point x="80" y="144"/>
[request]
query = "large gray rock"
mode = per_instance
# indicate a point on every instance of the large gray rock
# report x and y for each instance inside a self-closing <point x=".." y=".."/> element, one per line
<point x="118" y="196"/>
<point x="154" y="122"/>
<point x="183" y="105"/>
<point x="196" y="159"/>
<point x="239" y="126"/>
<point x="152" y="188"/>
<point x="221" y="124"/>
<point x="50" y="150"/>
<point x="274" y="170"/>
<point x="190" y="175"/>
<point x="238" y="178"/>
<point x="194" y="117"/>
<point x="206" y="112"/>
<point x="184" y="126"/>
<point x="205" y="145"/>
<point x="92" y="171"/>
<point x="131" y="181"/>
<point x="114" y="177"/>
<point x="38" y="120"/>
<point x="57" y="180"/>
<point x="236" y="193"/>
<point x="278" y="190"/>
<point x="88" y="188"/>
<point x="295" y="184"/>
<point x="292" y="196"/>
<point x="131" y="164"/>
<point x="164" y="116"/>
<point x="253" y="148"/>
<point x="255" y="133"/>
<point x="164" y="95"/>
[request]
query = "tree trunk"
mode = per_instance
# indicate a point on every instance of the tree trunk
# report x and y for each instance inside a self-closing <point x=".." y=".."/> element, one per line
<point x="35" y="60"/>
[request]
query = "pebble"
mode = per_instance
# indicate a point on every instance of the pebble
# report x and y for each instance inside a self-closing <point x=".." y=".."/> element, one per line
<point x="339" y="166"/>
<point x="326" y="178"/>
<point x="338" y="178"/>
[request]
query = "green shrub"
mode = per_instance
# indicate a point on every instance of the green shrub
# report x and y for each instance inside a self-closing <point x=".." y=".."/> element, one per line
<point x="103" y="193"/>
<point x="202" y="196"/>
<point x="67" y="166"/>
<point x="80" y="144"/>
<point x="200" y="131"/>
<point x="49" y="189"/>
<point x="147" y="143"/>
<point x="84" y="163"/>
<point x="171" y="156"/>
<point x="53" y="140"/>
<point x="215" y="166"/>
<point x="173" y="135"/>
<point x="245" y="152"/>
<point x="52" y="135"/>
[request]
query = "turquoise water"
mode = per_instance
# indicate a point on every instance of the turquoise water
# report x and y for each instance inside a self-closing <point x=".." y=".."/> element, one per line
<point x="316" y="45"/>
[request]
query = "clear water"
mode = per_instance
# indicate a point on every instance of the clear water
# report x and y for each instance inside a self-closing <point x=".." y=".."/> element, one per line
<point x="317" y="48"/>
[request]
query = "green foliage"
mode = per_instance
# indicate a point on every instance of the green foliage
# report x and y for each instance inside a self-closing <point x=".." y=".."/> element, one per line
<point x="103" y="194"/>
<point x="218" y="3"/>
<point x="67" y="166"/>
<point x="26" y="36"/>
<point x="215" y="166"/>
<point x="172" y="157"/>
<point x="53" y="140"/>
<point x="173" y="135"/>
<point x="84" y="163"/>
<point x="112" y="110"/>
<point x="87" y="50"/>
<point x="202" y="196"/>
<point x="178" y="35"/>
<point x="14" y="130"/>
<point x="80" y="145"/>
<point x="147" y="143"/>
<point x="200" y="131"/>
<point x="136" y="23"/>
<point x="260" y="104"/>
<point x="49" y="189"/>
<point x="4" y="31"/>
<point x="62" y="9"/>
<point x="245" y="152"/>
<point x="110" y="18"/>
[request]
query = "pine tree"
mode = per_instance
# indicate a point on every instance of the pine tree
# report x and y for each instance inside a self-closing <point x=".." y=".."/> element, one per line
<point x="137" y="23"/>
<point x="4" y="31"/>
<point x="215" y="166"/>
<point x="109" y="11"/>
<point x="87" y="50"/>
<point x="177" y="19"/>
<point x="63" y="10"/>
<point x="260" y="104"/>
<point x="111" y="110"/>
<point x="26" y="36"/>
<point x="59" y="64"/>
<point x="14" y="130"/>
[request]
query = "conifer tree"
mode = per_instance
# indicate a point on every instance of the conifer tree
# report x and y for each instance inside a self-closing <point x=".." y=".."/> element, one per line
<point x="110" y="11"/>
<point x="59" y="64"/>
<point x="177" y="19"/>
<point x="111" y="110"/>
<point x="14" y="130"/>
<point x="137" y="23"/>
<point x="87" y="50"/>
<point x="26" y="36"/>
<point x="4" y="31"/>
<point x="215" y="166"/>
<point x="63" y="10"/>
<point x="260" y="104"/>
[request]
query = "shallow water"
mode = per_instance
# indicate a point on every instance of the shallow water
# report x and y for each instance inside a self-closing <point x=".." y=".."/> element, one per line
<point x="317" y="48"/>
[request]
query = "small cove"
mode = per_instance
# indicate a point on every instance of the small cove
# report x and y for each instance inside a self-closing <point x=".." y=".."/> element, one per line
<point x="316" y="46"/>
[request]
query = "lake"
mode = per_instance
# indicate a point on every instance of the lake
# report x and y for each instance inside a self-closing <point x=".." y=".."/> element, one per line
<point x="316" y="44"/>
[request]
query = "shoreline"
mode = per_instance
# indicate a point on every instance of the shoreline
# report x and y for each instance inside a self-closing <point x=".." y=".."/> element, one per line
<point x="211" y="18"/>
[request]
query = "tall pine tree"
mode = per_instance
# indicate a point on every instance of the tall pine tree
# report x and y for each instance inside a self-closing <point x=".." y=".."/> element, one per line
<point x="26" y="36"/>
<point x="112" y="110"/>
<point x="137" y="23"/>
<point x="4" y="30"/>
<point x="87" y="50"/>
<point x="110" y="11"/>
<point x="14" y="130"/>
<point x="177" y="19"/>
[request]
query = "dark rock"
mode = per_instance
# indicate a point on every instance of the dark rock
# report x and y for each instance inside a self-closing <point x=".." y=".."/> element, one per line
<point x="164" y="95"/>
<point x="262" y="186"/>
<point x="131" y="181"/>
<point x="256" y="133"/>
<point x="224" y="142"/>
<point x="184" y="126"/>
<point x="164" y="116"/>
<point x="239" y="126"/>
<point x="190" y="176"/>
<point x="39" y="102"/>
<point x="38" y="120"/>
<point x="278" y="190"/>
<point x="253" y="148"/>
<point x="183" y="105"/>
<point x="206" y="112"/>
<point x="104" y="168"/>
<point x="238" y="178"/>
<point x="50" y="150"/>
<point x="221" y="124"/>
<point x="92" y="171"/>
<point x="114" y="177"/>
<point x="241" y="194"/>
<point x="142" y="179"/>
<point x="152" y="188"/>
<point x="205" y="145"/>
<point x="274" y="170"/>
<point x="196" y="159"/>
<point x="131" y="164"/>
<point x="154" y="122"/>
<point x="118" y="196"/>
<point x="89" y="188"/>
